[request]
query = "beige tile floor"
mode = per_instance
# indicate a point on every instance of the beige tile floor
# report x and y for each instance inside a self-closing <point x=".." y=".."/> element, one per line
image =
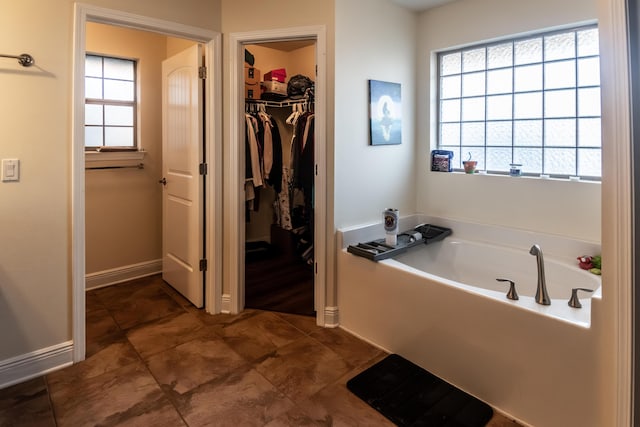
<point x="155" y="360"/>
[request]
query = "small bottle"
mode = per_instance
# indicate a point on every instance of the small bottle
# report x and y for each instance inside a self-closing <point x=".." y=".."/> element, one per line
<point x="516" y="169"/>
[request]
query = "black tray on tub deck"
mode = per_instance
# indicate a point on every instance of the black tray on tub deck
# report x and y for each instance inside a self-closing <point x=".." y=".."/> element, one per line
<point x="377" y="250"/>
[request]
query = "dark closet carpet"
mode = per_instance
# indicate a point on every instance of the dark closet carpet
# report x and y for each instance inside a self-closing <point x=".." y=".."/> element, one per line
<point x="410" y="396"/>
<point x="277" y="282"/>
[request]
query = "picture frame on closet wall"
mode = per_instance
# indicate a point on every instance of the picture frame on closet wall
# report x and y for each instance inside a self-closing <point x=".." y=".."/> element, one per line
<point x="385" y="113"/>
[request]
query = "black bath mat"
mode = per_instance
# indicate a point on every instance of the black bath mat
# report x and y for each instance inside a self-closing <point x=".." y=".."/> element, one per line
<point x="410" y="396"/>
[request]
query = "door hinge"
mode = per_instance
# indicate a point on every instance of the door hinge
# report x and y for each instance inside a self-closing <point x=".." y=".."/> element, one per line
<point x="203" y="264"/>
<point x="203" y="169"/>
<point x="316" y="169"/>
<point x="202" y="72"/>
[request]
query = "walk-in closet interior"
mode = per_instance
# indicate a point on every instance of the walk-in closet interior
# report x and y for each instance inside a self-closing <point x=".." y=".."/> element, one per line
<point x="279" y="184"/>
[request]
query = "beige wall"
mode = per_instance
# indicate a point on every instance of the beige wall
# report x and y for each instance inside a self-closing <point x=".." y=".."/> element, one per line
<point x="35" y="217"/>
<point x="124" y="206"/>
<point x="558" y="207"/>
<point x="175" y="46"/>
<point x="300" y="60"/>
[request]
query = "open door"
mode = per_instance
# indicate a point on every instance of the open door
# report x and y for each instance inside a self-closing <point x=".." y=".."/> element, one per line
<point x="182" y="151"/>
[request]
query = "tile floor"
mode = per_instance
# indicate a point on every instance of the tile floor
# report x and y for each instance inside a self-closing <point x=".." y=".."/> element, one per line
<point x="155" y="360"/>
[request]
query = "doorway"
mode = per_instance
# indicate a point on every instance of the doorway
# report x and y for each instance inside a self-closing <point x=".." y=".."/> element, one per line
<point x="134" y="225"/>
<point x="234" y="302"/>
<point x="212" y="226"/>
<point x="279" y="214"/>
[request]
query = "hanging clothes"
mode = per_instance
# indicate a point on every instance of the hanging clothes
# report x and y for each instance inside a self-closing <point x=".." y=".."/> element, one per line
<point x="282" y="207"/>
<point x="272" y="154"/>
<point x="304" y="170"/>
<point x="292" y="183"/>
<point x="254" y="163"/>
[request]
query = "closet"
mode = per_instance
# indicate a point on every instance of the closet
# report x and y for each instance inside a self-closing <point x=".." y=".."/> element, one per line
<point x="279" y="176"/>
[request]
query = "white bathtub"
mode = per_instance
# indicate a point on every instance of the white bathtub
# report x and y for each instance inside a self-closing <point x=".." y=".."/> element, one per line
<point x="474" y="266"/>
<point x="440" y="307"/>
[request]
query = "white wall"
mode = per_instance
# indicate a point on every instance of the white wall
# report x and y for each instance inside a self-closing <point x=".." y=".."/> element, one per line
<point x="374" y="40"/>
<point x="557" y="207"/>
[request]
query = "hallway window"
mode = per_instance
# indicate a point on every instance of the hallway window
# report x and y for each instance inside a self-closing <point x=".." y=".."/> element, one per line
<point x="533" y="101"/>
<point x="110" y="103"/>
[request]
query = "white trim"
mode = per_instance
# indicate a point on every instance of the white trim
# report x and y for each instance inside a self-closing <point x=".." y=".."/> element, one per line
<point x="226" y="303"/>
<point x="77" y="188"/>
<point x="331" y="317"/>
<point x="88" y="13"/>
<point x="116" y="156"/>
<point x="214" y="179"/>
<point x="236" y="144"/>
<point x="40" y="362"/>
<point x="109" y="277"/>
<point x="617" y="199"/>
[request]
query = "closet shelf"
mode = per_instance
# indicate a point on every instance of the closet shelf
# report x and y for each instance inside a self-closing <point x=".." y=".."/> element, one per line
<point x="285" y="103"/>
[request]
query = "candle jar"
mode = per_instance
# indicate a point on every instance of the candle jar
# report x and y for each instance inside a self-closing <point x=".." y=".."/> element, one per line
<point x="516" y="169"/>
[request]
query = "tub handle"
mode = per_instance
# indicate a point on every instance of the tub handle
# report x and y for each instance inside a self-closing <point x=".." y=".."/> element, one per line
<point x="574" y="301"/>
<point x="512" y="294"/>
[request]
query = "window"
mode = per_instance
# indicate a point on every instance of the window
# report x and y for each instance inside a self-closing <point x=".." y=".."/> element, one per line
<point x="533" y="101"/>
<point x="110" y="103"/>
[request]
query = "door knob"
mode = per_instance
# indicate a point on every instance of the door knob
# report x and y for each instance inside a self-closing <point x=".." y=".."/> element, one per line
<point x="163" y="181"/>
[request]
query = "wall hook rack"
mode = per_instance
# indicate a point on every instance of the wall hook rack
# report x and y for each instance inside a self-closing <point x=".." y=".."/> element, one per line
<point x="25" y="59"/>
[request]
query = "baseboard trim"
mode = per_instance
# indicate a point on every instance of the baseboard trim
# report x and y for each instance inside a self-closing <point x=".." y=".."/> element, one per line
<point x="40" y="362"/>
<point x="225" y="303"/>
<point x="112" y="276"/>
<point x="331" y="317"/>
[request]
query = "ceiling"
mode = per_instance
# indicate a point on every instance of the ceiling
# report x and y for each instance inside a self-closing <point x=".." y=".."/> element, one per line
<point x="420" y="5"/>
<point x="416" y="5"/>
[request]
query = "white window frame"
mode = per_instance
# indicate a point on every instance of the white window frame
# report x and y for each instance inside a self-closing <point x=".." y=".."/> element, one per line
<point x="480" y="149"/>
<point x="116" y="152"/>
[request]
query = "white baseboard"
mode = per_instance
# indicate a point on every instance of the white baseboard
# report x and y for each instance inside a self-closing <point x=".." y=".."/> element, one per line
<point x="40" y="362"/>
<point x="112" y="276"/>
<point x="225" y="304"/>
<point x="331" y="317"/>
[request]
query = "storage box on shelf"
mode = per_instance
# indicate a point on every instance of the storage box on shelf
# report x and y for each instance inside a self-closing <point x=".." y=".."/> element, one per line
<point x="251" y="75"/>
<point x="274" y="87"/>
<point x="277" y="75"/>
<point x="252" y="91"/>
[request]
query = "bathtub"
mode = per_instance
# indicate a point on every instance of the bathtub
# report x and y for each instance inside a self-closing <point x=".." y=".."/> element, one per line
<point x="440" y="306"/>
<point x="473" y="266"/>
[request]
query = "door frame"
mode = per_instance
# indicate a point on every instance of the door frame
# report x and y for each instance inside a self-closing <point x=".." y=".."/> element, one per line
<point x="617" y="208"/>
<point x="211" y="40"/>
<point x="234" y="301"/>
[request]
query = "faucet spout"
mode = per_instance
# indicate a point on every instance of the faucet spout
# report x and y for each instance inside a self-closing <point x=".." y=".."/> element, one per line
<point x="542" y="297"/>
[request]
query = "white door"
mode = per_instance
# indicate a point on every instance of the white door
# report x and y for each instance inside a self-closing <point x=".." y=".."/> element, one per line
<point x="182" y="151"/>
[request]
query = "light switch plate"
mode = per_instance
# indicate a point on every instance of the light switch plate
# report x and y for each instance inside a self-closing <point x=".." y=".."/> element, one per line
<point x="10" y="170"/>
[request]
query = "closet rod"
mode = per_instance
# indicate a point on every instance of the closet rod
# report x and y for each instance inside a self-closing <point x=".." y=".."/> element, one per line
<point x="286" y="103"/>
<point x="138" y="166"/>
<point x="25" y="59"/>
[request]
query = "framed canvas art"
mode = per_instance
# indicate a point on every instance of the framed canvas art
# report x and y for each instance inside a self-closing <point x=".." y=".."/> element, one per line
<point x="385" y="113"/>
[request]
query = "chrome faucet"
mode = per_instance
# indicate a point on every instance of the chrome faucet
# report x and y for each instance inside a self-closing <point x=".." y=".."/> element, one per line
<point x="542" y="297"/>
